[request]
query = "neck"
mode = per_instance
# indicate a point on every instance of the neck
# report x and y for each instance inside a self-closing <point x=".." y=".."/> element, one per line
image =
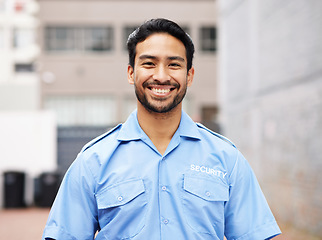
<point x="160" y="127"/>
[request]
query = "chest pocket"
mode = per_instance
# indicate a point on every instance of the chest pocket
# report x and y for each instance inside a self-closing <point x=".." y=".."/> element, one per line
<point x="203" y="202"/>
<point x="122" y="209"/>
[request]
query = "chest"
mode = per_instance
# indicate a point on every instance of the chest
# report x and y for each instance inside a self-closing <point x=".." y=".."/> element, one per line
<point x="136" y="160"/>
<point x="150" y="189"/>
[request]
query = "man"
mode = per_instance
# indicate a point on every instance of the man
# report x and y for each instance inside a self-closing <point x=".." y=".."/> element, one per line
<point x="160" y="175"/>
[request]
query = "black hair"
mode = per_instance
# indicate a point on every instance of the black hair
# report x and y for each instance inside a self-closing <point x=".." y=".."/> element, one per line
<point x="159" y="25"/>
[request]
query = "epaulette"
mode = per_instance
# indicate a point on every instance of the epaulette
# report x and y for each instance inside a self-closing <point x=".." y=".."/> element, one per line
<point x="216" y="134"/>
<point x="99" y="138"/>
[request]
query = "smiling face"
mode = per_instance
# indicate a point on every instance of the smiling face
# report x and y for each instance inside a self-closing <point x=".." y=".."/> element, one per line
<point x="160" y="75"/>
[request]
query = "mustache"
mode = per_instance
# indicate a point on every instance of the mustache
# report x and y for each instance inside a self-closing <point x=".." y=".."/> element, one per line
<point x="157" y="83"/>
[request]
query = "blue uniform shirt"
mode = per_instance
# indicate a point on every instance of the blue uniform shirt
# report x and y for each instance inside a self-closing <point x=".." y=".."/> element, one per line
<point x="121" y="186"/>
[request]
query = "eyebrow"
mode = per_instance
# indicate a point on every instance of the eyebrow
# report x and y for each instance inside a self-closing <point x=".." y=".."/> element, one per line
<point x="146" y="56"/>
<point x="176" y="58"/>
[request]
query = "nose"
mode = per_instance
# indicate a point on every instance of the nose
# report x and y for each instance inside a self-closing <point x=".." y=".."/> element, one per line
<point x="161" y="74"/>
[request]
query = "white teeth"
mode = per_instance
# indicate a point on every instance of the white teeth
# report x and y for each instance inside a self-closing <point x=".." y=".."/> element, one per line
<point x="158" y="90"/>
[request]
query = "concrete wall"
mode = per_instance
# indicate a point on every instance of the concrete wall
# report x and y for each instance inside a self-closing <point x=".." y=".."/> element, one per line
<point x="271" y="100"/>
<point x="28" y="144"/>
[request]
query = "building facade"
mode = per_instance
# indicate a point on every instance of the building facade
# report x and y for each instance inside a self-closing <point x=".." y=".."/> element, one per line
<point x="19" y="85"/>
<point x="83" y="61"/>
<point x="28" y="134"/>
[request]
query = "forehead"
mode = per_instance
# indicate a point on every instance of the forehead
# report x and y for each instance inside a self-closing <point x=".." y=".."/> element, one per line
<point x="161" y="45"/>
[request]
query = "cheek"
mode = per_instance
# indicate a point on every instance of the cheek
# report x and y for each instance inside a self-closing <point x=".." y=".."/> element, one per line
<point x="143" y="74"/>
<point x="182" y="79"/>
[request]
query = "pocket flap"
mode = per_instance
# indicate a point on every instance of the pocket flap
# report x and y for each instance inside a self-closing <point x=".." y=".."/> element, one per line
<point x="119" y="193"/>
<point x="206" y="189"/>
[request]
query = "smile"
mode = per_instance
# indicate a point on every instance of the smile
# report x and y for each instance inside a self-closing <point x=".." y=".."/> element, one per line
<point x="160" y="90"/>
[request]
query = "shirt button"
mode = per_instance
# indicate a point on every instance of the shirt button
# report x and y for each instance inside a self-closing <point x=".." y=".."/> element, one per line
<point x="120" y="198"/>
<point x="165" y="221"/>
<point x="164" y="188"/>
<point x="208" y="194"/>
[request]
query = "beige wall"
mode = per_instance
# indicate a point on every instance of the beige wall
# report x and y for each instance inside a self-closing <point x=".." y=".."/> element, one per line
<point x="106" y="73"/>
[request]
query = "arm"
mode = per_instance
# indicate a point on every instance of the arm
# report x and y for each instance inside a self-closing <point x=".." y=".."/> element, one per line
<point x="74" y="212"/>
<point x="248" y="216"/>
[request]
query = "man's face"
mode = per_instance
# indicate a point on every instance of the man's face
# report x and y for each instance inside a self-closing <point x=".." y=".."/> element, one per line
<point x="160" y="74"/>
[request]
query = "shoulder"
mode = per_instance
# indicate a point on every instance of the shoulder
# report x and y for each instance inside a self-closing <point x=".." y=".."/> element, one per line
<point x="101" y="147"/>
<point x="213" y="136"/>
<point x="96" y="153"/>
<point x="105" y="137"/>
<point x="219" y="146"/>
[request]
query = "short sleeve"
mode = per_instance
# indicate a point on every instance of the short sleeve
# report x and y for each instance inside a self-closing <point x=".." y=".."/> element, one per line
<point x="247" y="214"/>
<point x="74" y="211"/>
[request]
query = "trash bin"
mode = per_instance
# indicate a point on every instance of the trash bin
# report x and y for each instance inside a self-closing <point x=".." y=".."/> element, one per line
<point x="46" y="187"/>
<point x="14" y="189"/>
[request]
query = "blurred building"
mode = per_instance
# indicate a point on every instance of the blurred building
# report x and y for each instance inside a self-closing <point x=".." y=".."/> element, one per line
<point x="83" y="63"/>
<point x="271" y="88"/>
<point x="19" y="87"/>
<point x="28" y="135"/>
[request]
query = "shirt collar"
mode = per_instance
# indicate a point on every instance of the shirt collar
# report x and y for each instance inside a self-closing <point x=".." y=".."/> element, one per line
<point x="131" y="129"/>
<point x="188" y="128"/>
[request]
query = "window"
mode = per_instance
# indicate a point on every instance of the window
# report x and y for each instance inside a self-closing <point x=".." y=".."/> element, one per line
<point x="86" y="110"/>
<point x="60" y="39"/>
<point x="24" y="67"/>
<point x="126" y="32"/>
<point x="129" y="105"/>
<point x="98" y="39"/>
<point x="208" y="39"/>
<point x="129" y="29"/>
<point x="24" y="37"/>
<point x="186" y="29"/>
<point x="78" y="39"/>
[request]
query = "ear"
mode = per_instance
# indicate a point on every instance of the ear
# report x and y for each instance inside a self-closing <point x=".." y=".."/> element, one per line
<point x="130" y="74"/>
<point x="190" y="76"/>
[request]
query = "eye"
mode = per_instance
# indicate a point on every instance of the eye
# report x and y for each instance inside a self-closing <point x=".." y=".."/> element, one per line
<point x="174" y="65"/>
<point x="148" y="64"/>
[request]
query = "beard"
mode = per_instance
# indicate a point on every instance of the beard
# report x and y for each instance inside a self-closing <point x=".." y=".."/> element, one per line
<point x="158" y="105"/>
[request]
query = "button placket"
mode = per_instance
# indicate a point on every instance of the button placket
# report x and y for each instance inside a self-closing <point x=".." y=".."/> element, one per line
<point x="163" y="189"/>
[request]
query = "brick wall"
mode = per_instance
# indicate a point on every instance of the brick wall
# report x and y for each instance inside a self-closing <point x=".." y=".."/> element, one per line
<point x="271" y="87"/>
